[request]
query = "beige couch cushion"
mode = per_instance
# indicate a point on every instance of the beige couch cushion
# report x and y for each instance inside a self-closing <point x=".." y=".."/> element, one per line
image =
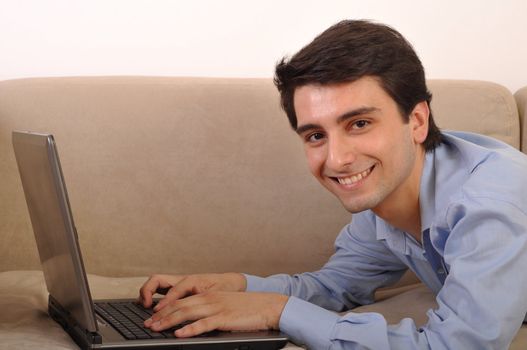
<point x="191" y="174"/>
<point x="167" y="174"/>
<point x="24" y="323"/>
<point x="521" y="101"/>
<point x="482" y="107"/>
<point x="186" y="175"/>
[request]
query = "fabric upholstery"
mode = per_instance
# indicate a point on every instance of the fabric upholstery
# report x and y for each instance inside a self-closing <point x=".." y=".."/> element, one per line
<point x="521" y="101"/>
<point x="24" y="323"/>
<point x="186" y="175"/>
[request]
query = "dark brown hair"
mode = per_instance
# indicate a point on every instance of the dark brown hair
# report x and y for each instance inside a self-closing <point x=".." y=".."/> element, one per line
<point x="350" y="50"/>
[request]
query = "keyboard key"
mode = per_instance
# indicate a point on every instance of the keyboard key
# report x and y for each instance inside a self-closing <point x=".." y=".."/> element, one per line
<point x="128" y="318"/>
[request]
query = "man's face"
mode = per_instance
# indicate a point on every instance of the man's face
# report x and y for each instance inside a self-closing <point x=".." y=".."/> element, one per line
<point x="358" y="145"/>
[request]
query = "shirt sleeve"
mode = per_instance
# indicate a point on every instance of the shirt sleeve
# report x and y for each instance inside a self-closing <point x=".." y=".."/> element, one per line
<point x="317" y="328"/>
<point x="481" y="305"/>
<point x="360" y="265"/>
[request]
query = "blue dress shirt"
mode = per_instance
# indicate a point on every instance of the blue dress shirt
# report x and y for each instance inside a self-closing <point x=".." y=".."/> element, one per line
<point x="473" y="200"/>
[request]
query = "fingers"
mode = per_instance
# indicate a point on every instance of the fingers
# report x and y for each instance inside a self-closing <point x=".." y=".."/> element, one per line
<point x="188" y="285"/>
<point x="155" y="284"/>
<point x="177" y="292"/>
<point x="178" y="287"/>
<point x="220" y="310"/>
<point x="201" y="326"/>
<point x="179" y="311"/>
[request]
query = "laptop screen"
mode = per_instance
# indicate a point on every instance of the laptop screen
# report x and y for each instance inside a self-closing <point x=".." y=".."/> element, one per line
<point x="52" y="222"/>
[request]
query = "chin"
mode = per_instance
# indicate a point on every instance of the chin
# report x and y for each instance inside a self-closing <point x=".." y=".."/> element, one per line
<point x="355" y="210"/>
<point x="357" y="205"/>
<point x="354" y="207"/>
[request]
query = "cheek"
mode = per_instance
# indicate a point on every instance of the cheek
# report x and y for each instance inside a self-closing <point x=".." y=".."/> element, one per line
<point x="403" y="155"/>
<point x="315" y="160"/>
<point x="377" y="145"/>
<point x="386" y="148"/>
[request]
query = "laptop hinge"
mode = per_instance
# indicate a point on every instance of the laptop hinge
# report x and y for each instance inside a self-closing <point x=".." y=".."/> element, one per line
<point x="82" y="337"/>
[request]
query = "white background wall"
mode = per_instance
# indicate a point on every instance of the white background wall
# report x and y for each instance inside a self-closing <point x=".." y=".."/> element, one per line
<point x="465" y="39"/>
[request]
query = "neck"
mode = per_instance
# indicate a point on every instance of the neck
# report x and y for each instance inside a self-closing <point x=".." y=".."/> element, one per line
<point x="408" y="221"/>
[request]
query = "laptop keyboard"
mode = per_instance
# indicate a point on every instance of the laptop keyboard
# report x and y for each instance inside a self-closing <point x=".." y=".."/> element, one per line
<point x="128" y="319"/>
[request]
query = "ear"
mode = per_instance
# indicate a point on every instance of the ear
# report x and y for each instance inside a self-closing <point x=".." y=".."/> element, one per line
<point x="419" y="122"/>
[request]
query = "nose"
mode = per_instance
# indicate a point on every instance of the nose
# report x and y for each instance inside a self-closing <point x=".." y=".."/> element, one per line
<point x="341" y="153"/>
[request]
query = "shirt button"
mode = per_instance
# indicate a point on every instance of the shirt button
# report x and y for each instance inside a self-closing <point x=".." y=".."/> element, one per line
<point x="440" y="271"/>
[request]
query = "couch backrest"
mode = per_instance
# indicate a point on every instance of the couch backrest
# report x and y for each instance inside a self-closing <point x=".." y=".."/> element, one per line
<point x="521" y="101"/>
<point x="191" y="174"/>
<point x="476" y="106"/>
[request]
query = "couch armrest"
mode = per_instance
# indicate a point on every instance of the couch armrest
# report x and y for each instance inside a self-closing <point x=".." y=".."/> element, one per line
<point x="521" y="101"/>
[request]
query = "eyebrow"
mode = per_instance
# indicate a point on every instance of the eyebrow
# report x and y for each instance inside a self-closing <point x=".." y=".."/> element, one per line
<point x="348" y="115"/>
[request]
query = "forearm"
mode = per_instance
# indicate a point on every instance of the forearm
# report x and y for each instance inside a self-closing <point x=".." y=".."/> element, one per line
<point x="317" y="328"/>
<point x="307" y="286"/>
<point x="361" y="264"/>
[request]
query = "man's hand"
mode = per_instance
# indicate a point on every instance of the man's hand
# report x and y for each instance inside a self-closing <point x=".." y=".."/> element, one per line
<point x="226" y="311"/>
<point x="182" y="286"/>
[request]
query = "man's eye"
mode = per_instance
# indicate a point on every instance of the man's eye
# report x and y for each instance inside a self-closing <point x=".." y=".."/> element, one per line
<point x="359" y="124"/>
<point x="314" y="137"/>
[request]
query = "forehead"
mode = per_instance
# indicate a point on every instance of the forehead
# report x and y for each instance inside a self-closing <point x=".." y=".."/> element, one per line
<point x="315" y="101"/>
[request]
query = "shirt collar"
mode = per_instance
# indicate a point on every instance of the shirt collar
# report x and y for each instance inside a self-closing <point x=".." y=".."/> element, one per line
<point x="383" y="229"/>
<point x="397" y="240"/>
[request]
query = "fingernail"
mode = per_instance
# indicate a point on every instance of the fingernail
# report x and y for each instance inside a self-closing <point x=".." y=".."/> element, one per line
<point x="148" y="322"/>
<point x="156" y="325"/>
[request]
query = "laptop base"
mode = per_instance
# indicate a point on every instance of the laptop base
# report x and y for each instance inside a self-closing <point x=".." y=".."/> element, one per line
<point x="95" y="340"/>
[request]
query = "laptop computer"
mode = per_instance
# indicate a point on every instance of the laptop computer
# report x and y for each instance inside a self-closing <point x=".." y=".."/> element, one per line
<point x="99" y="324"/>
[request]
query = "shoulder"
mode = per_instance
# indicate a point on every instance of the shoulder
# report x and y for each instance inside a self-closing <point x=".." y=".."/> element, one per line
<point x="471" y="167"/>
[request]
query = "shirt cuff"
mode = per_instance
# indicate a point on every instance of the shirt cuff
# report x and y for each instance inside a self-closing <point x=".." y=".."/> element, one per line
<point x="254" y="283"/>
<point x="308" y="324"/>
<point x="267" y="285"/>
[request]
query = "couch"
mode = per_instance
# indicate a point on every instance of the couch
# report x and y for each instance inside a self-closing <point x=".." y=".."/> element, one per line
<point x="188" y="175"/>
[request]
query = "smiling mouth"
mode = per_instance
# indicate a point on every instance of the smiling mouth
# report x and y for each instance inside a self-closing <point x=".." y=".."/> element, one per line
<point x="353" y="179"/>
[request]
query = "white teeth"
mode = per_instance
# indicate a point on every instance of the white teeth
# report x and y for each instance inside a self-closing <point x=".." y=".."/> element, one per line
<point x="350" y="180"/>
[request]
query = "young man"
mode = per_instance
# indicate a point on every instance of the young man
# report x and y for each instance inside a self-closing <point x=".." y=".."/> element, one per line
<point x="450" y="206"/>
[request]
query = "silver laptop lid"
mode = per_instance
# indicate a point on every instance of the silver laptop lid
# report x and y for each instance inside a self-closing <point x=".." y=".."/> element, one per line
<point x="52" y="221"/>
